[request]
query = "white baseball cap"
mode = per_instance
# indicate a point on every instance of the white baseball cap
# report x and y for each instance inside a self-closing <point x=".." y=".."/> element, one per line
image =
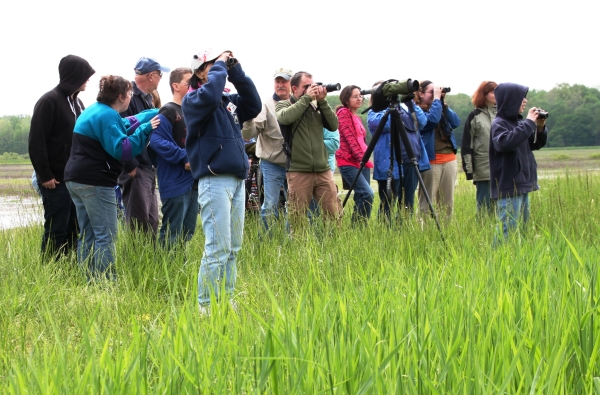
<point x="208" y="55"/>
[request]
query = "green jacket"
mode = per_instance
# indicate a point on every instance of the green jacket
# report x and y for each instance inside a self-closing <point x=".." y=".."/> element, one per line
<point x="476" y="143"/>
<point x="309" y="154"/>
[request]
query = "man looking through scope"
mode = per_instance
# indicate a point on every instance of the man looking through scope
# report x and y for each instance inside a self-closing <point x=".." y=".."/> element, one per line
<point x="387" y="96"/>
<point x="404" y="181"/>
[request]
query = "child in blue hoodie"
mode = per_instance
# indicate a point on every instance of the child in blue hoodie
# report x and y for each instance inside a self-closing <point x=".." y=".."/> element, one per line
<point x="513" y="170"/>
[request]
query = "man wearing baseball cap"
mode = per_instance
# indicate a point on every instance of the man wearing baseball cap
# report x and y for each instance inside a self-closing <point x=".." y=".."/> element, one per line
<point x="138" y="179"/>
<point x="269" y="146"/>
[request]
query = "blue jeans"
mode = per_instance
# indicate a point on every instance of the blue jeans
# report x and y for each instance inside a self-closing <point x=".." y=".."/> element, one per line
<point x="179" y="218"/>
<point x="60" y="220"/>
<point x="511" y="211"/>
<point x="409" y="186"/>
<point x="482" y="196"/>
<point x="363" y="193"/>
<point x="222" y="207"/>
<point x="273" y="180"/>
<point x="97" y="215"/>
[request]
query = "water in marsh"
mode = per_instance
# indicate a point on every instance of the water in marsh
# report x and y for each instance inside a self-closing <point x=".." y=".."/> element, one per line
<point x="17" y="211"/>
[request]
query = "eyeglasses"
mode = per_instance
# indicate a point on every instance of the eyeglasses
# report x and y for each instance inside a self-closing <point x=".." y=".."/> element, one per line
<point x="359" y="97"/>
<point x="159" y="73"/>
<point x="130" y="93"/>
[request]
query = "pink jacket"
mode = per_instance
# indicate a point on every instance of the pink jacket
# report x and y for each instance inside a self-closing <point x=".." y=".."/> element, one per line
<point x="352" y="140"/>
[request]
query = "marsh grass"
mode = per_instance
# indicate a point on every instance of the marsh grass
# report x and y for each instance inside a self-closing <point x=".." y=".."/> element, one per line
<point x="359" y="311"/>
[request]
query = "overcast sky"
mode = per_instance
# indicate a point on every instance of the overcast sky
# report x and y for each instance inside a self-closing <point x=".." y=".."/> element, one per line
<point x="453" y="43"/>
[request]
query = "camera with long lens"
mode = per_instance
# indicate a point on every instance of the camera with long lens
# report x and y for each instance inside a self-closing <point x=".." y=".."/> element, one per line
<point x="446" y="89"/>
<point x="330" y="87"/>
<point x="231" y="62"/>
<point x="542" y="114"/>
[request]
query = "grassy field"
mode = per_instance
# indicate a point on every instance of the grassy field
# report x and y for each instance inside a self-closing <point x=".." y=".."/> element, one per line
<point x="373" y="310"/>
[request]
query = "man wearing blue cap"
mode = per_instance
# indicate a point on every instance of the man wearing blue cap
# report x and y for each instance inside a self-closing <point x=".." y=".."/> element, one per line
<point x="138" y="179"/>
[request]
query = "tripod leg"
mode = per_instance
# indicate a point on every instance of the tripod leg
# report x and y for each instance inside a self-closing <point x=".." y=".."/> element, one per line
<point x="398" y="127"/>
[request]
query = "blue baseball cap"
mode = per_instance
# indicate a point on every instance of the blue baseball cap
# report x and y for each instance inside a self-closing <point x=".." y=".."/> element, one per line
<point x="146" y="65"/>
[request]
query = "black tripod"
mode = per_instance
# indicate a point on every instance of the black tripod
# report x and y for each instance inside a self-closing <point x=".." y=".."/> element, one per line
<point x="397" y="132"/>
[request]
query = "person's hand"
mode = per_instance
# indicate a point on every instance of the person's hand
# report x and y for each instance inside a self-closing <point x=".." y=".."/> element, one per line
<point x="321" y="92"/>
<point x="155" y="122"/>
<point x="223" y="57"/>
<point x="132" y="173"/>
<point x="540" y="123"/>
<point x="187" y="166"/>
<point x="50" y="184"/>
<point x="533" y="114"/>
<point x="437" y="92"/>
<point x="312" y="91"/>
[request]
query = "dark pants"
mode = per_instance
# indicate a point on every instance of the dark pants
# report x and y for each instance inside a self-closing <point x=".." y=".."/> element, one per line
<point x="60" y="220"/>
<point x="387" y="202"/>
<point x="139" y="198"/>
<point x="363" y="194"/>
<point x="180" y="214"/>
<point x="484" y="203"/>
<point x="410" y="180"/>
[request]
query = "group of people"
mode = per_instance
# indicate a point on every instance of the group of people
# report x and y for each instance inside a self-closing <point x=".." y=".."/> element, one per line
<point x="194" y="146"/>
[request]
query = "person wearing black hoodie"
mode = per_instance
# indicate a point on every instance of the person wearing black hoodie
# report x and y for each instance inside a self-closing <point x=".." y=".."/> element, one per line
<point x="50" y="139"/>
<point x="513" y="169"/>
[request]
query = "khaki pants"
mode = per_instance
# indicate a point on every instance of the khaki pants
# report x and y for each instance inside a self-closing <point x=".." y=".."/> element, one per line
<point x="439" y="182"/>
<point x="301" y="189"/>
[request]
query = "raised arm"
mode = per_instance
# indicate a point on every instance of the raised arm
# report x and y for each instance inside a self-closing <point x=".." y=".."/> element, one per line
<point x="247" y="99"/>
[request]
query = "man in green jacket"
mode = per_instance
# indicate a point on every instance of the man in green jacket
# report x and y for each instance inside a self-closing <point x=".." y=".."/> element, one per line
<point x="309" y="174"/>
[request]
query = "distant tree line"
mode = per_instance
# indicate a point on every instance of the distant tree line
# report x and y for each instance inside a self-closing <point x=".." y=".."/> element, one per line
<point x="14" y="132"/>
<point x="574" y="117"/>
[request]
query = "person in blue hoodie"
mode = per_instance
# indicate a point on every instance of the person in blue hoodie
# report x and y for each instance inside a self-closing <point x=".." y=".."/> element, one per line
<point x="513" y="169"/>
<point x="218" y="160"/>
<point x="176" y="185"/>
<point x="403" y="188"/>
<point x="102" y="143"/>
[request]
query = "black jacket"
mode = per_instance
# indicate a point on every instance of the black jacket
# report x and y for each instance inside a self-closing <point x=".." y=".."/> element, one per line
<point x="513" y="169"/>
<point x="53" y="119"/>
<point x="138" y="103"/>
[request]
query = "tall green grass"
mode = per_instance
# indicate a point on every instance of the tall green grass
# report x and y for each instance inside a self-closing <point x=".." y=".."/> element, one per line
<point x="357" y="311"/>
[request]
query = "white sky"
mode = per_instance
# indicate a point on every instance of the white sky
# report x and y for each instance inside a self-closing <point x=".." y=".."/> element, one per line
<point x="454" y="43"/>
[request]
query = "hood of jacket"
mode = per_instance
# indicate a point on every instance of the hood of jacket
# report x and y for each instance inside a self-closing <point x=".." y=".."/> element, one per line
<point x="509" y="98"/>
<point x="74" y="72"/>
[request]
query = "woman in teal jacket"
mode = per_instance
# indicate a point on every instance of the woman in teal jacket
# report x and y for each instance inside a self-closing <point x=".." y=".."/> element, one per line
<point x="102" y="142"/>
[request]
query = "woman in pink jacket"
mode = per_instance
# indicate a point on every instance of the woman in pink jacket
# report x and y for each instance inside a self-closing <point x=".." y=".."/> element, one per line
<point x="351" y="152"/>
